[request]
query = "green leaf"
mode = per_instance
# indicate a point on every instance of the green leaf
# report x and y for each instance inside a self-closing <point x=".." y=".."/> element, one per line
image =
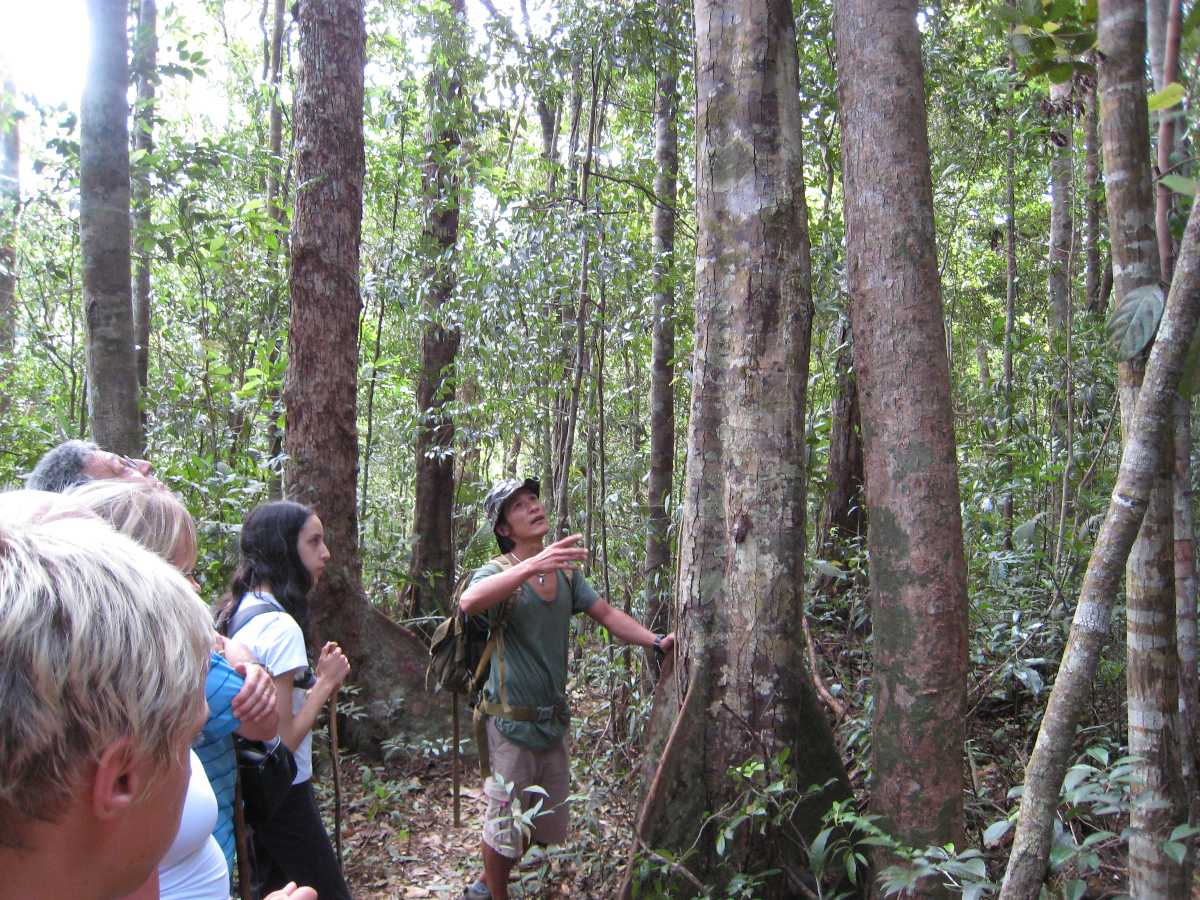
<point x="1169" y="96"/>
<point x="1175" y="850"/>
<point x="1060" y="73"/>
<point x="1133" y="322"/>
<point x="995" y="832"/>
<point x="1193" y="17"/>
<point x="1183" y="832"/>
<point x="1180" y="184"/>
<point x="828" y="569"/>
<point x="1074" y="889"/>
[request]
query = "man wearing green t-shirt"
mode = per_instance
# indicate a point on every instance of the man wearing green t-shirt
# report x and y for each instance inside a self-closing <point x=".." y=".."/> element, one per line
<point x="548" y="589"/>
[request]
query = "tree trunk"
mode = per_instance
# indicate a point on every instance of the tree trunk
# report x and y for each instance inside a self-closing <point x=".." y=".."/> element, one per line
<point x="1152" y="681"/>
<point x="1010" y="303"/>
<point x="1148" y="432"/>
<point x="842" y="518"/>
<point x="275" y="209"/>
<point x="570" y="417"/>
<point x="145" y="65"/>
<point x="918" y="572"/>
<point x="662" y="370"/>
<point x="10" y="208"/>
<point x="1062" y="130"/>
<point x="320" y="390"/>
<point x="741" y="691"/>
<point x="1093" y="274"/>
<point x="104" y="234"/>
<point x="1185" y="606"/>
<point x="431" y="572"/>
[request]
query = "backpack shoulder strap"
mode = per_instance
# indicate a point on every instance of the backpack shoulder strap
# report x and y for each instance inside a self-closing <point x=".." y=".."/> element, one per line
<point x="246" y="612"/>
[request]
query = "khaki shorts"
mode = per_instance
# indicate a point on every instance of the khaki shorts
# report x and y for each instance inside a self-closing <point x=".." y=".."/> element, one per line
<point x="522" y="768"/>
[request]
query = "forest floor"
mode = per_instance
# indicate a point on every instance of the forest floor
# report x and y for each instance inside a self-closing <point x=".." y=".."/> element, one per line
<point x="399" y="839"/>
<point x="398" y="834"/>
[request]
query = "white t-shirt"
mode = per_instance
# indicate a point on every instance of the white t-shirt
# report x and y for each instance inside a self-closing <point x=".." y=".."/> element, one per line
<point x="277" y="642"/>
<point x="194" y="867"/>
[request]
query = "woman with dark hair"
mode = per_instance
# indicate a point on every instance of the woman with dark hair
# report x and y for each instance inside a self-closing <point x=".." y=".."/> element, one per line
<point x="283" y="554"/>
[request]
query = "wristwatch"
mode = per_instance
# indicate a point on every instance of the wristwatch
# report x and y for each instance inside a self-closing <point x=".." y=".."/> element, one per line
<point x="658" y="639"/>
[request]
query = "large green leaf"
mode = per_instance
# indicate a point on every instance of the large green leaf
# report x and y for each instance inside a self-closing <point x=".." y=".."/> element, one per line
<point x="1133" y="323"/>
<point x="1169" y="96"/>
<point x="1180" y="184"/>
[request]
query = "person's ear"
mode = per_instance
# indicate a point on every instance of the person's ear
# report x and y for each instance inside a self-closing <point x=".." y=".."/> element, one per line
<point x="119" y="781"/>
<point x="503" y="530"/>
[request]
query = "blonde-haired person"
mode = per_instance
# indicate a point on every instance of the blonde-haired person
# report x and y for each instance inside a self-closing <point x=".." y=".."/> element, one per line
<point x="93" y="747"/>
<point x="200" y="861"/>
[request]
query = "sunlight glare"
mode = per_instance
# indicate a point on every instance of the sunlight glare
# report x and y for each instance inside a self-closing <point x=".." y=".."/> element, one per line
<point x="44" y="47"/>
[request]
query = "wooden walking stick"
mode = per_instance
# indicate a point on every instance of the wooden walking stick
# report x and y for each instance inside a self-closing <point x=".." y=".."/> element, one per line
<point x="455" y="767"/>
<point x="337" y="780"/>
<point x="242" y="841"/>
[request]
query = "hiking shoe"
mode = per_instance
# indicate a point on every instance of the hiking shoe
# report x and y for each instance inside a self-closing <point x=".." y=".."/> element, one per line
<point x="477" y="891"/>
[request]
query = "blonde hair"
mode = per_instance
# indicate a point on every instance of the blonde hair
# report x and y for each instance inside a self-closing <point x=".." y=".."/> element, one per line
<point x="142" y="510"/>
<point x="99" y="640"/>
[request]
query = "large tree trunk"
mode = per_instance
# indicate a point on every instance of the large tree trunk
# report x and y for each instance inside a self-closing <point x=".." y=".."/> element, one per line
<point x="918" y="572"/>
<point x="1149" y="431"/>
<point x="662" y="370"/>
<point x="742" y="688"/>
<point x="10" y="207"/>
<point x="145" y="66"/>
<point x="431" y="572"/>
<point x="1152" y="675"/>
<point x="104" y="234"/>
<point x="321" y="385"/>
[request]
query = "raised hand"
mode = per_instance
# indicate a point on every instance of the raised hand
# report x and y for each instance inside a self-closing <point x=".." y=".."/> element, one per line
<point x="567" y="555"/>
<point x="333" y="666"/>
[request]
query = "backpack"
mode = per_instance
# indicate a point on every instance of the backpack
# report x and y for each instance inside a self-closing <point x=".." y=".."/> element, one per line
<point x="460" y="657"/>
<point x="460" y="652"/>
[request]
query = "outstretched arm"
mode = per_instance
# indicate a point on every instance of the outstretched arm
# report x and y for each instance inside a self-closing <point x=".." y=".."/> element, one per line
<point x="627" y="629"/>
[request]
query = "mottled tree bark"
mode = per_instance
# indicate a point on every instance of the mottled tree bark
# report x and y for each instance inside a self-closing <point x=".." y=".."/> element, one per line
<point x="145" y="66"/>
<point x="918" y="572"/>
<point x="104" y="234"/>
<point x="1149" y="431"/>
<point x="742" y="688"/>
<point x="662" y="370"/>
<point x="10" y="207"/>
<point x="1152" y="676"/>
<point x="431" y="570"/>
<point x="1185" y="607"/>
<point x="321" y="385"/>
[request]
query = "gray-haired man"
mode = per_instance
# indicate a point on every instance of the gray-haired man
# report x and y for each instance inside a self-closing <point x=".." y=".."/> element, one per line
<point x="77" y="462"/>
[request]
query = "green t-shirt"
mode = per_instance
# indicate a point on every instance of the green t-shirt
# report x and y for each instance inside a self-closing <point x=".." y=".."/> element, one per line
<point x="536" y="642"/>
